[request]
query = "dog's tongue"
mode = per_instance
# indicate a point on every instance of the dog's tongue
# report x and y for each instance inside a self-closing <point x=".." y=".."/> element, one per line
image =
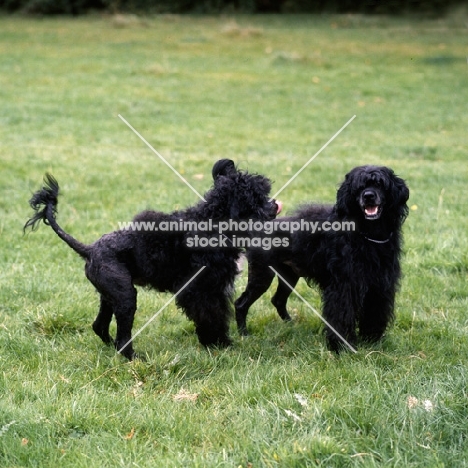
<point x="371" y="210"/>
<point x="279" y="205"/>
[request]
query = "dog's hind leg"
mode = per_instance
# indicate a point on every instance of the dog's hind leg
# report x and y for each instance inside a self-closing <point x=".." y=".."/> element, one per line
<point x="283" y="291"/>
<point x="259" y="280"/>
<point x="114" y="283"/>
<point x="103" y="320"/>
<point x="124" y="311"/>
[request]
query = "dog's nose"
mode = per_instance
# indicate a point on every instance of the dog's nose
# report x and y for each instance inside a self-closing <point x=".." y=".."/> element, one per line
<point x="368" y="195"/>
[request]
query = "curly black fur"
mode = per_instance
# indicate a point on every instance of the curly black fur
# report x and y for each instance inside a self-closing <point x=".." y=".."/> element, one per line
<point x="47" y="198"/>
<point x="357" y="272"/>
<point x="162" y="260"/>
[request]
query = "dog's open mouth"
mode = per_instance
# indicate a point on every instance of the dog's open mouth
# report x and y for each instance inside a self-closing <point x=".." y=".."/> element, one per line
<point x="372" y="211"/>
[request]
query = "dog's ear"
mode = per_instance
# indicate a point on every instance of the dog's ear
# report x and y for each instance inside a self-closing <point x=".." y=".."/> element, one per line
<point x="225" y="167"/>
<point x="401" y="190"/>
<point x="234" y="210"/>
<point x="400" y="195"/>
<point x="222" y="198"/>
<point x="344" y="198"/>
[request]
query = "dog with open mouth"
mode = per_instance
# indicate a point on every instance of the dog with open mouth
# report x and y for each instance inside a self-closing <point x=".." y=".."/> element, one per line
<point x="357" y="269"/>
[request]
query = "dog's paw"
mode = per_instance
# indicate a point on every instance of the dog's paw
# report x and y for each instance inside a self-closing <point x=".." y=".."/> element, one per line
<point x="139" y="357"/>
<point x="242" y="329"/>
<point x="131" y="356"/>
<point x="102" y="333"/>
<point x="125" y="350"/>
<point x="222" y="342"/>
<point x="338" y="344"/>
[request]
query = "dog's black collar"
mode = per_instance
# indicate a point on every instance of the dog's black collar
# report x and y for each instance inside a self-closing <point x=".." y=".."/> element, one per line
<point x="379" y="241"/>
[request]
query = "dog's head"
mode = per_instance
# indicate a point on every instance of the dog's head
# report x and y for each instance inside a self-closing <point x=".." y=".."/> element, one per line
<point x="239" y="195"/>
<point x="371" y="193"/>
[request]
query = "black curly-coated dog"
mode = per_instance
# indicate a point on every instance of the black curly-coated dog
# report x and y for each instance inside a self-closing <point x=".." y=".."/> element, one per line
<point x="164" y="260"/>
<point x="357" y="270"/>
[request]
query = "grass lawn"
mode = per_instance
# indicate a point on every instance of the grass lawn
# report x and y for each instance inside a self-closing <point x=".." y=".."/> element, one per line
<point x="267" y="92"/>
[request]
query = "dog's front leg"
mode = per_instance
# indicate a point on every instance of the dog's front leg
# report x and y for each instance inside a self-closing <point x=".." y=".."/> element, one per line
<point x="210" y="313"/>
<point x="339" y="313"/>
<point x="377" y="313"/>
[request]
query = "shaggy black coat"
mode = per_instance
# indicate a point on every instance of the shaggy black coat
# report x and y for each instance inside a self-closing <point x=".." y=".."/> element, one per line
<point x="358" y="272"/>
<point x="164" y="260"/>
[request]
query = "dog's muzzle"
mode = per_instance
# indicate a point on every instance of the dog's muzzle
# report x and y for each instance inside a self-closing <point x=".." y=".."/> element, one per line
<point x="274" y="209"/>
<point x="371" y="204"/>
<point x="279" y="206"/>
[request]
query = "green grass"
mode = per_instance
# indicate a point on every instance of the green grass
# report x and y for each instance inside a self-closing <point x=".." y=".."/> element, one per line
<point x="267" y="92"/>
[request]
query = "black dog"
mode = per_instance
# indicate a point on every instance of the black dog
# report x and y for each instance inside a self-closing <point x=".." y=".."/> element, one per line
<point x="357" y="271"/>
<point x="164" y="260"/>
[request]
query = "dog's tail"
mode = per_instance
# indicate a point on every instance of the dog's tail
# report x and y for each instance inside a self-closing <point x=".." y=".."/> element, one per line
<point x="44" y="203"/>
